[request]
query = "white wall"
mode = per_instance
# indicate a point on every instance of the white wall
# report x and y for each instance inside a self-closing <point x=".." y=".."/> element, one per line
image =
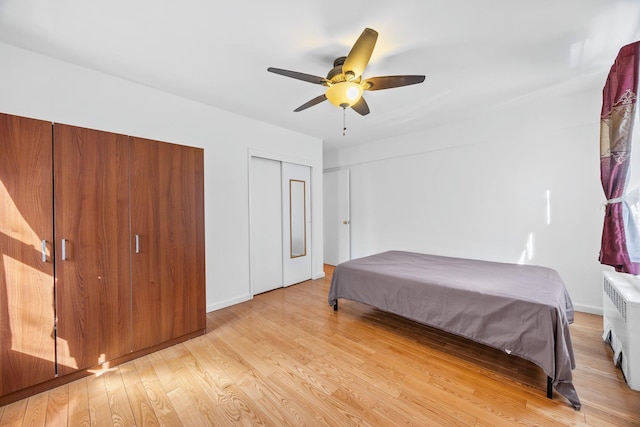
<point x="478" y="188"/>
<point x="37" y="86"/>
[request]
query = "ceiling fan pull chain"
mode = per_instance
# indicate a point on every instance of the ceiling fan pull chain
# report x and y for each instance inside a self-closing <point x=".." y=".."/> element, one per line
<point x="344" y="121"/>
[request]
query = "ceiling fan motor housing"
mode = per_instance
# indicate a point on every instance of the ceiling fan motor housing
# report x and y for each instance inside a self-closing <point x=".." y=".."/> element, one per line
<point x="335" y="74"/>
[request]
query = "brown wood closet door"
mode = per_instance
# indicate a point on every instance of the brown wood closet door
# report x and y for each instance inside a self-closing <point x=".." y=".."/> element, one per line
<point x="27" y="347"/>
<point x="167" y="219"/>
<point x="92" y="266"/>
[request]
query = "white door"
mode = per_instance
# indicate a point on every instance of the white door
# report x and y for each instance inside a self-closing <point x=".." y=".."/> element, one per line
<point x="337" y="218"/>
<point x="265" y="216"/>
<point x="296" y="223"/>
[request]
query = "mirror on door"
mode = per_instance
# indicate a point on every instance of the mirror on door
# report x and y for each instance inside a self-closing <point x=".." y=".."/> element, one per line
<point x="297" y="209"/>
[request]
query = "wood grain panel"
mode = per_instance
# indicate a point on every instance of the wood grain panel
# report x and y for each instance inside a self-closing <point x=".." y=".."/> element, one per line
<point x="140" y="405"/>
<point x="121" y="412"/>
<point x="36" y="411"/>
<point x="78" y="403"/>
<point x="57" y="408"/>
<point x="99" y="409"/>
<point x="158" y="396"/>
<point x="92" y="215"/>
<point x="14" y="413"/>
<point x="167" y="213"/>
<point x="27" y="347"/>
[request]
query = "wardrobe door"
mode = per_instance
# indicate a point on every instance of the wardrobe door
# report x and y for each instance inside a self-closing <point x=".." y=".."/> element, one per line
<point x="27" y="347"/>
<point x="167" y="223"/>
<point x="92" y="246"/>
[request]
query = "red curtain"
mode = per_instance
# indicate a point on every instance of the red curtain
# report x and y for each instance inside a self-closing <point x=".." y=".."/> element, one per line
<point x="619" y="98"/>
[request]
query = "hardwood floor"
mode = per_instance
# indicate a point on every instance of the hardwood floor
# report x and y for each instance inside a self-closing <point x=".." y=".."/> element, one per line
<point x="286" y="358"/>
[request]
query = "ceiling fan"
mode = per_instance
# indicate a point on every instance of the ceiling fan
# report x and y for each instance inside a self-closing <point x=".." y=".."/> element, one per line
<point x="344" y="82"/>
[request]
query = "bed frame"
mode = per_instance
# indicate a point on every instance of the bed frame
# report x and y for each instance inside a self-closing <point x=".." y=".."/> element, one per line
<point x="549" y="379"/>
<point x="478" y="300"/>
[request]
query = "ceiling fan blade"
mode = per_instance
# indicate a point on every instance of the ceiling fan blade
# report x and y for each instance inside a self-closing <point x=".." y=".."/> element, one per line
<point x="314" y="101"/>
<point x="388" y="82"/>
<point x="360" y="54"/>
<point x="361" y="107"/>
<point x="300" y="76"/>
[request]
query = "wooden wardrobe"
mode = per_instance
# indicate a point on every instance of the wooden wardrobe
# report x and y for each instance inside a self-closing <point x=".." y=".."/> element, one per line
<point x="102" y="251"/>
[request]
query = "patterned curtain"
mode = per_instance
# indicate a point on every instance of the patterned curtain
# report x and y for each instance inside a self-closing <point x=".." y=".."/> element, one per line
<point x="616" y="130"/>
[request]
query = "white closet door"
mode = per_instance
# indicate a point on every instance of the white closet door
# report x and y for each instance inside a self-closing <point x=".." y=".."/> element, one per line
<point x="266" y="225"/>
<point x="296" y="223"/>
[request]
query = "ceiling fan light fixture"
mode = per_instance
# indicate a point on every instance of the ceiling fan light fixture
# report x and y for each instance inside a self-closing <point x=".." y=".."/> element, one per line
<point x="344" y="94"/>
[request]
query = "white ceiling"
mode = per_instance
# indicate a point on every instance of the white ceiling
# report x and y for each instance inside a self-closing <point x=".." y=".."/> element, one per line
<point x="475" y="53"/>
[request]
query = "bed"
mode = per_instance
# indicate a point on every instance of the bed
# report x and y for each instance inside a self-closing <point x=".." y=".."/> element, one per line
<point x="523" y="310"/>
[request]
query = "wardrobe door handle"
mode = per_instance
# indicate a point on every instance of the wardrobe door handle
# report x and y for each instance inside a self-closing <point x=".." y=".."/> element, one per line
<point x="44" y="251"/>
<point x="64" y="249"/>
<point x="137" y="243"/>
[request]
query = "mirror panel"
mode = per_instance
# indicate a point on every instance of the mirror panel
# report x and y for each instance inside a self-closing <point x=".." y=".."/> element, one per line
<point x="297" y="223"/>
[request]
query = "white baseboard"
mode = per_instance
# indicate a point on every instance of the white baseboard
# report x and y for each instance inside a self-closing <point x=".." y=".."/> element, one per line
<point x="588" y="309"/>
<point x="227" y="303"/>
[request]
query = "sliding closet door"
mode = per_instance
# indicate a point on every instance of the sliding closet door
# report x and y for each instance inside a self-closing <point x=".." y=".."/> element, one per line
<point x="296" y="223"/>
<point x="167" y="223"/>
<point x="92" y="246"/>
<point x="265" y="225"/>
<point x="27" y="347"/>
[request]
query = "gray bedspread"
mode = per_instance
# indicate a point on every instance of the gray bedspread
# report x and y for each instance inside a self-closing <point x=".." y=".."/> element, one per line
<point x="523" y="310"/>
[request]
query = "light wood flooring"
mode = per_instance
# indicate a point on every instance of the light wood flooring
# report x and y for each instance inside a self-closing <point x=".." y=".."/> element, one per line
<point x="286" y="358"/>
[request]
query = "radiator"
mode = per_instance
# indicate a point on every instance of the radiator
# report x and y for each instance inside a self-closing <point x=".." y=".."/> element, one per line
<point x="621" y="322"/>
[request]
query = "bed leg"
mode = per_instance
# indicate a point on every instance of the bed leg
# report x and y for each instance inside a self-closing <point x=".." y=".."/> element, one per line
<point x="549" y="387"/>
<point x="335" y="306"/>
